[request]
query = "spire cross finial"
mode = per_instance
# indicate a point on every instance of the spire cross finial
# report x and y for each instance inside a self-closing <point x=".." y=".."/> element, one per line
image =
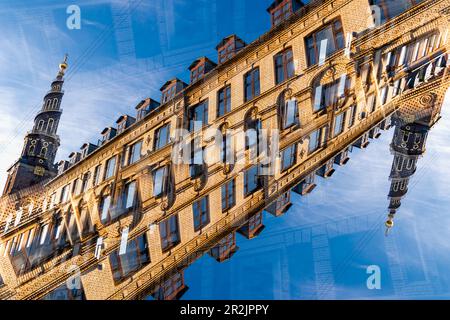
<point x="65" y="57"/>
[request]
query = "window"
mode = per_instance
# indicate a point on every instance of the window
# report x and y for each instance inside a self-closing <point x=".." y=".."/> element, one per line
<point x="162" y="136"/>
<point x="135" y="257"/>
<point x="86" y="223"/>
<point x="196" y="164"/>
<point x="85" y="181"/>
<point x="65" y="193"/>
<point x="314" y="140"/>
<point x="289" y="114"/>
<point x="384" y="95"/>
<point x="324" y="42"/>
<point x="169" y="233"/>
<point x="50" y="124"/>
<point x="129" y="195"/>
<point x="223" y="101"/>
<point x="226" y="52"/>
<point x="252" y="128"/>
<point x="228" y="195"/>
<point x="199" y="114"/>
<point x="282" y="12"/>
<point x="110" y="167"/>
<point x="352" y="115"/>
<point x="251" y="84"/>
<point x="371" y="103"/>
<point x="72" y="228"/>
<point x="76" y="187"/>
<point x="97" y="171"/>
<point x="284" y="66"/>
<point x="160" y="177"/>
<point x="392" y="8"/>
<point x="327" y="95"/>
<point x="197" y="73"/>
<point x="135" y="152"/>
<point x="105" y="204"/>
<point x="251" y="181"/>
<point x="201" y="213"/>
<point x="339" y="123"/>
<point x="171" y="287"/>
<point x="288" y="157"/>
<point x="43" y="234"/>
<point x="169" y="93"/>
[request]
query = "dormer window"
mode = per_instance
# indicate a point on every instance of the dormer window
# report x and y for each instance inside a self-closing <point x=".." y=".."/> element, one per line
<point x="124" y="122"/>
<point x="121" y="127"/>
<point x="169" y="93"/>
<point x="145" y="107"/>
<point x="107" y="134"/>
<point x="197" y="73"/>
<point x="200" y="67"/>
<point x="281" y="10"/>
<point x="228" y="47"/>
<point x="171" y="88"/>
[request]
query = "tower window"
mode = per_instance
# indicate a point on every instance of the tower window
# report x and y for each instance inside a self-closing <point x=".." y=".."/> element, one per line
<point x="50" y="124"/>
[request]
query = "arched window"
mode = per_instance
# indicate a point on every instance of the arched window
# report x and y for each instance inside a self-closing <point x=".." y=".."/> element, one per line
<point x="395" y="186"/>
<point x="32" y="148"/>
<point x="55" y="103"/>
<point x="44" y="150"/>
<point x="47" y="104"/>
<point x="410" y="164"/>
<point x="399" y="163"/>
<point x="287" y="110"/>
<point x="40" y="125"/>
<point x="50" y="124"/>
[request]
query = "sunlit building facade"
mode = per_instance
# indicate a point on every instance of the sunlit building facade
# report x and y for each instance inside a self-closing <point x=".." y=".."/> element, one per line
<point x="121" y="220"/>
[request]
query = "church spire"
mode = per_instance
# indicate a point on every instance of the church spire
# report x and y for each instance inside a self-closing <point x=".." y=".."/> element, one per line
<point x="36" y="162"/>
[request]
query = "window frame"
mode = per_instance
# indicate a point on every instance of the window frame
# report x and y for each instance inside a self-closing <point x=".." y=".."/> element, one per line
<point x="201" y="213"/>
<point x="226" y="101"/>
<point x="255" y="90"/>
<point x="287" y="62"/>
<point x="316" y="46"/>
<point x="226" y="195"/>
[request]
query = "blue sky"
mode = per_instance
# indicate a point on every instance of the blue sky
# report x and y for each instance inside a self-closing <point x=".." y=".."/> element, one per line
<point x="126" y="50"/>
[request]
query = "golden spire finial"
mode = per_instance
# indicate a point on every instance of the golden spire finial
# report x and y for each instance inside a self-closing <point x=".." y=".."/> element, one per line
<point x="63" y="65"/>
<point x="389" y="223"/>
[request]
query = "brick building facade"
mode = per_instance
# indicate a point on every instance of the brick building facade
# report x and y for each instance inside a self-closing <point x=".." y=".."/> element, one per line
<point x="122" y="220"/>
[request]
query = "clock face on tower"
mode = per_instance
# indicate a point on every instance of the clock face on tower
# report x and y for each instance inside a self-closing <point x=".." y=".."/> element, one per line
<point x="39" y="171"/>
